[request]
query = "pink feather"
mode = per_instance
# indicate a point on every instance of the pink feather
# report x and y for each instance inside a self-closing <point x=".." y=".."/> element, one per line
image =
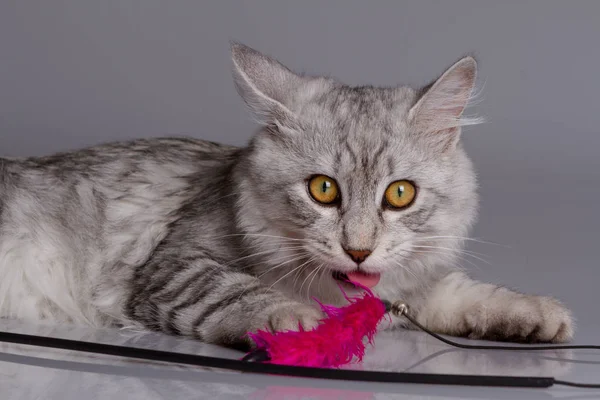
<point x="337" y="340"/>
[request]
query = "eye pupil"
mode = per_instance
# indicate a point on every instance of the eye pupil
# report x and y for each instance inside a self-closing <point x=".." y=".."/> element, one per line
<point x="399" y="194"/>
<point x="323" y="189"/>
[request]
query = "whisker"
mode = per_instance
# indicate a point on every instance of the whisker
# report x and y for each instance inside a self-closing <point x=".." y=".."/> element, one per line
<point x="321" y="280"/>
<point x="441" y="254"/>
<point x="271" y="269"/>
<point x="294" y="282"/>
<point x="459" y="251"/>
<point x="405" y="269"/>
<point x="311" y="281"/>
<point x="461" y="238"/>
<point x="264" y="252"/>
<point x="284" y="260"/>
<point x="261" y="235"/>
<point x="449" y="254"/>
<point x="471" y="263"/>
<point x="278" y="280"/>
<point x="305" y="279"/>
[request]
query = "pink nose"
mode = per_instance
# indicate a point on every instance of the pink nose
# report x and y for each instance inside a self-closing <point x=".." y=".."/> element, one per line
<point x="358" y="256"/>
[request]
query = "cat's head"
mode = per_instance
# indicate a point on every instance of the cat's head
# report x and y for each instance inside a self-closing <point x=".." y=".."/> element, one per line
<point x="362" y="180"/>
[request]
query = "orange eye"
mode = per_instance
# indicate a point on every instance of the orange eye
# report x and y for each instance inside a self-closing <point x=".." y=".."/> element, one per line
<point x="400" y="194"/>
<point x="323" y="189"/>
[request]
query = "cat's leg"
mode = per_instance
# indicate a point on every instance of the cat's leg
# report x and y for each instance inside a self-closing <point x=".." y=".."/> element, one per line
<point x="458" y="305"/>
<point x="211" y="302"/>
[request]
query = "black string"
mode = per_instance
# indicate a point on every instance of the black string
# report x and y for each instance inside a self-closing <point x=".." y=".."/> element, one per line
<point x="275" y="369"/>
<point x="577" y="384"/>
<point x="253" y="363"/>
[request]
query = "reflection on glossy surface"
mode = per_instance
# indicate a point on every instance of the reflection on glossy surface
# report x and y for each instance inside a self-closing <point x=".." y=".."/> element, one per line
<point x="421" y="353"/>
<point x="37" y="373"/>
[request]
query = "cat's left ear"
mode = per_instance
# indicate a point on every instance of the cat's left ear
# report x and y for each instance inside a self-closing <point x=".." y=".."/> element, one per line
<point x="437" y="115"/>
<point x="265" y="85"/>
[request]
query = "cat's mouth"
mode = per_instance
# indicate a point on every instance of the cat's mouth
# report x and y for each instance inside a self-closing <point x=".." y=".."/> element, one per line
<point x="357" y="276"/>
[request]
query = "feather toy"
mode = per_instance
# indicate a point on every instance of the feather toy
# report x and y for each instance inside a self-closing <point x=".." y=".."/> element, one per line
<point x="338" y="339"/>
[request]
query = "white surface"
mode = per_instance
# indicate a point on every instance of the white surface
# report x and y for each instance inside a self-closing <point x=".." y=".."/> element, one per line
<point x="37" y="373"/>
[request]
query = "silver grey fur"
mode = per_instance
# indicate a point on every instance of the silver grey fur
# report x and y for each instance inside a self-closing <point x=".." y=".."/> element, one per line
<point x="210" y="241"/>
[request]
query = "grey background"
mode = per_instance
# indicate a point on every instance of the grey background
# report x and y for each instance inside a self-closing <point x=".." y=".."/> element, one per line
<point x="76" y="73"/>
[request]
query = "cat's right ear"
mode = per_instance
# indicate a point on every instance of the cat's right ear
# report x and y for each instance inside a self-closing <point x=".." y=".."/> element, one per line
<point x="264" y="84"/>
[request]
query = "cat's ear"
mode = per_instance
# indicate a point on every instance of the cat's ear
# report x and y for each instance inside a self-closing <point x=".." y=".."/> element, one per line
<point x="438" y="114"/>
<point x="264" y="84"/>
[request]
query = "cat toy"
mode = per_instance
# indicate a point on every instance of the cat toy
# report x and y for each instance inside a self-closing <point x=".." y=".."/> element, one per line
<point x="338" y="339"/>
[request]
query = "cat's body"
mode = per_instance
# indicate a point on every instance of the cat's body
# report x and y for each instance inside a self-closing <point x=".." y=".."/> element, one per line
<point x="210" y="241"/>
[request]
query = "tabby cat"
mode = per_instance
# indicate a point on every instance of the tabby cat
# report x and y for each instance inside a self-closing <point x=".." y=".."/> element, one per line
<point x="209" y="241"/>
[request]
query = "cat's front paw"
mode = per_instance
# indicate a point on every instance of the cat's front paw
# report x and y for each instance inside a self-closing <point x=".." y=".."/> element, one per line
<point x="519" y="318"/>
<point x="290" y="317"/>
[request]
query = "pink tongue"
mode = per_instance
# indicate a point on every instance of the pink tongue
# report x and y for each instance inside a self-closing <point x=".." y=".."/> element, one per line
<point x="368" y="280"/>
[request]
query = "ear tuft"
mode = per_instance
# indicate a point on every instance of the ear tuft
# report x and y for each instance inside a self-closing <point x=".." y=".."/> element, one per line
<point x="440" y="109"/>
<point x="264" y="84"/>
